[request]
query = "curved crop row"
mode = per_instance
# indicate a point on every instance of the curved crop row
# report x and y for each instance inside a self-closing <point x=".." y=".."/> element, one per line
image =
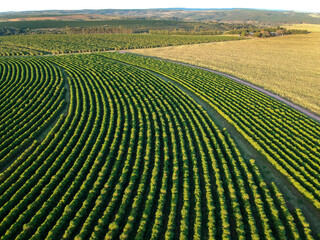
<point x="135" y="157"/>
<point x="32" y="97"/>
<point x="287" y="138"/>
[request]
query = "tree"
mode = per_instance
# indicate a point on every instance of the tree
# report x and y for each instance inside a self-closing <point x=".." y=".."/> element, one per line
<point x="244" y="33"/>
<point x="279" y="33"/>
<point x="265" y="34"/>
<point x="257" y="34"/>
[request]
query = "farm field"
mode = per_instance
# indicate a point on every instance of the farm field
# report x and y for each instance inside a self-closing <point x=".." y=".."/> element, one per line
<point x="287" y="65"/>
<point x="77" y="43"/>
<point x="287" y="138"/>
<point x="116" y="152"/>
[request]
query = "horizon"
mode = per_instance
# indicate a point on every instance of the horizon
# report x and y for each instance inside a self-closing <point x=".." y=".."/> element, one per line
<point x="308" y="6"/>
<point x="169" y="8"/>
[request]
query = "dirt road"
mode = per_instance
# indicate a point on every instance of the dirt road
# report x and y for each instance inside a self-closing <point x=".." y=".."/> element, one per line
<point x="273" y="95"/>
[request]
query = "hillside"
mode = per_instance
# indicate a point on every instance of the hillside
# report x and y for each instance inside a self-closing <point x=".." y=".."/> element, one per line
<point x="114" y="124"/>
<point x="220" y="15"/>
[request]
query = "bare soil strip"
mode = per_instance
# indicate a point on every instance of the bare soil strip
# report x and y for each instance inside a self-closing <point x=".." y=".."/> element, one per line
<point x="292" y="196"/>
<point x="275" y="96"/>
<point x="64" y="110"/>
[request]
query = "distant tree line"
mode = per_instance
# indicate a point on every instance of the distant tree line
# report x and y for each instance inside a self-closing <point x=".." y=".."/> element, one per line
<point x="119" y="26"/>
<point x="5" y="31"/>
<point x="129" y="26"/>
<point x="266" y="32"/>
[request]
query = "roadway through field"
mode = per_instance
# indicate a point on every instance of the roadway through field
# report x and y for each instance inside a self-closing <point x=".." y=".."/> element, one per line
<point x="64" y="110"/>
<point x="293" y="197"/>
<point x="260" y="89"/>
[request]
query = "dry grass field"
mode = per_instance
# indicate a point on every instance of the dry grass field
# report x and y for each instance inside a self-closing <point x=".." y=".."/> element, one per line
<point x="288" y="65"/>
<point x="310" y="27"/>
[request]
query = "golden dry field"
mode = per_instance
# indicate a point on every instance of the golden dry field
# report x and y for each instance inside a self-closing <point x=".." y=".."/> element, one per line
<point x="288" y="65"/>
<point x="309" y="27"/>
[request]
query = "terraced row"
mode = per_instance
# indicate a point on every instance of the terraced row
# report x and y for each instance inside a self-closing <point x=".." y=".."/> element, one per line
<point x="136" y="158"/>
<point x="288" y="139"/>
